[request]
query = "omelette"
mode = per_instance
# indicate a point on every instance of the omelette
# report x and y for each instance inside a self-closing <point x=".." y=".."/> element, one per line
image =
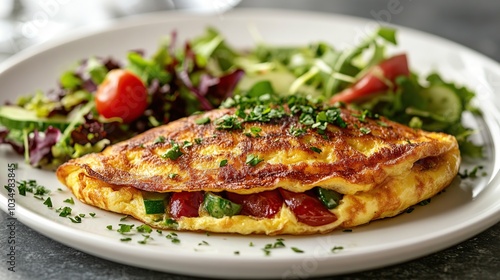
<point x="288" y="171"/>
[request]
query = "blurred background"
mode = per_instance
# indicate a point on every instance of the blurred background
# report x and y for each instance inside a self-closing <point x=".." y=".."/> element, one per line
<point x="24" y="23"/>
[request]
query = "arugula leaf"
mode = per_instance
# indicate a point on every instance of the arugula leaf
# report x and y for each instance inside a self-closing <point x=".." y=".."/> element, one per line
<point x="148" y="70"/>
<point x="96" y="70"/>
<point x="70" y="81"/>
<point x="212" y="46"/>
<point x="389" y="34"/>
<point x="261" y="88"/>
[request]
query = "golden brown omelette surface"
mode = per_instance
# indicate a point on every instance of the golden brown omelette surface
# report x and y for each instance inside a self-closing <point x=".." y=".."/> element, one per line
<point x="379" y="167"/>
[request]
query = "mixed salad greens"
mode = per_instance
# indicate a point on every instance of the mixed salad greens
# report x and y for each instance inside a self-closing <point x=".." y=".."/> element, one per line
<point x="102" y="101"/>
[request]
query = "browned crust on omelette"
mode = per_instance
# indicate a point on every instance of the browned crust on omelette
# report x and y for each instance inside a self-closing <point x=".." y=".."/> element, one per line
<point x="380" y="174"/>
<point x="350" y="161"/>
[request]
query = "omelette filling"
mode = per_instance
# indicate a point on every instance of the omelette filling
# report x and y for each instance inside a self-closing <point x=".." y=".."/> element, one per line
<point x="311" y="208"/>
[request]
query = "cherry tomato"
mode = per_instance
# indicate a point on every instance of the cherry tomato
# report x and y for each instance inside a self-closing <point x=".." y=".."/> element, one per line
<point x="307" y="209"/>
<point x="262" y="205"/>
<point x="121" y="95"/>
<point x="388" y="69"/>
<point x="185" y="204"/>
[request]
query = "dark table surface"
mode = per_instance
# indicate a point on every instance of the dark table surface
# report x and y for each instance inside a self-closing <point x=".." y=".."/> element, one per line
<point x="473" y="24"/>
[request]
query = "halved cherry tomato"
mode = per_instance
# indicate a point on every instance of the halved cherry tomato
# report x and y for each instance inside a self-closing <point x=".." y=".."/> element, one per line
<point x="373" y="81"/>
<point x="307" y="209"/>
<point x="262" y="205"/>
<point x="121" y="95"/>
<point x="185" y="204"/>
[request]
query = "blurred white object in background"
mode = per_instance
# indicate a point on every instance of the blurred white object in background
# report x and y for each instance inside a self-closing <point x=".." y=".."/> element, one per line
<point x="24" y="23"/>
<point x="6" y="28"/>
<point x="6" y="7"/>
<point x="131" y="7"/>
<point x="40" y="20"/>
<point x="205" y="6"/>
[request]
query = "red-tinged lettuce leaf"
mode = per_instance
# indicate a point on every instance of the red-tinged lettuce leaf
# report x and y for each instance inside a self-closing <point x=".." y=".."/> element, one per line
<point x="88" y="72"/>
<point x="225" y="86"/>
<point x="93" y="131"/>
<point x="4" y="133"/>
<point x="40" y="145"/>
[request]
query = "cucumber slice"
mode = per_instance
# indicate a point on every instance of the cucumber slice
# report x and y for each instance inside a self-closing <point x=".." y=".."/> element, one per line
<point x="154" y="206"/>
<point x="329" y="198"/>
<point x="154" y="202"/>
<point x="443" y="104"/>
<point x="18" y="118"/>
<point x="219" y="207"/>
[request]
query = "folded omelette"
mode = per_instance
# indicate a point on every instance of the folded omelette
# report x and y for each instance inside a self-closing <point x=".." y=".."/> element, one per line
<point x="216" y="172"/>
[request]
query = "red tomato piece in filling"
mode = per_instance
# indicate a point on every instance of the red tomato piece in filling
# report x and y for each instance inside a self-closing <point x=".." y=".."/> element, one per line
<point x="308" y="209"/>
<point x="185" y="204"/>
<point x="263" y="205"/>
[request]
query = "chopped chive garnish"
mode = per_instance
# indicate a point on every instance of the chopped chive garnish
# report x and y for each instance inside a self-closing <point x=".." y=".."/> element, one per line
<point x="41" y="190"/>
<point x="124" y="228"/>
<point x="203" y="120"/>
<point x="172" y="175"/>
<point x="92" y="214"/>
<point x="69" y="200"/>
<point x="123" y="218"/>
<point x="66" y="211"/>
<point x="110" y="227"/>
<point x="76" y="220"/>
<point x="48" y="202"/>
<point x="176" y="240"/>
<point x="171" y="223"/>
<point x="253" y="160"/>
<point x="203" y="243"/>
<point x="223" y="163"/>
<point x="198" y="141"/>
<point x="337" y="248"/>
<point x="255" y="130"/>
<point x="365" y="130"/>
<point x="144" y="228"/>
<point x="228" y="122"/>
<point x="146" y="237"/>
<point x="126" y="239"/>
<point x="297" y="250"/>
<point x="21" y="188"/>
<point x="173" y="238"/>
<point x="297" y="131"/>
<point x="472" y="174"/>
<point x="174" y="152"/>
<point x="424" y="202"/>
<point x="160" y="139"/>
<point x="316" y="150"/>
<point x="187" y="144"/>
<point x="383" y="124"/>
<point x="279" y="243"/>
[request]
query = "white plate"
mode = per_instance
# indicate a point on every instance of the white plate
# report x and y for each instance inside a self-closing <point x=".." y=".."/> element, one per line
<point x="465" y="209"/>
